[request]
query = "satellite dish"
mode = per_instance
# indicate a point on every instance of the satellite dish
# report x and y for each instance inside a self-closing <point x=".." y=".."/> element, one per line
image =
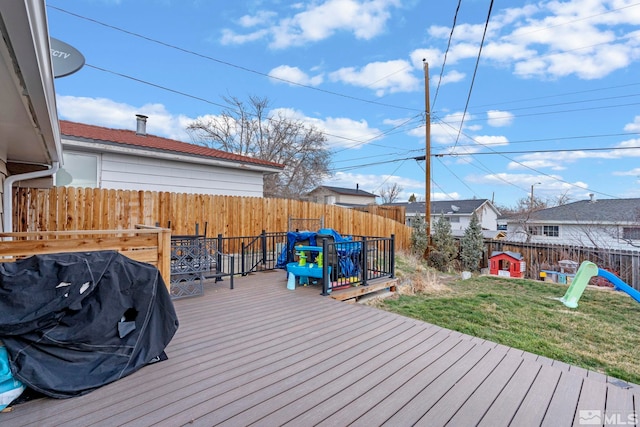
<point x="455" y="208"/>
<point x="65" y="58"/>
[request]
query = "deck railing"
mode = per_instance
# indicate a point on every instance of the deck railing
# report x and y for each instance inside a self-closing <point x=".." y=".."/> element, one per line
<point x="145" y="244"/>
<point x="352" y="263"/>
<point x="357" y="262"/>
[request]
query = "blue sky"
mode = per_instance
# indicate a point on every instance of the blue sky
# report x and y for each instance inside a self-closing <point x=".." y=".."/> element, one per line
<point x="552" y="102"/>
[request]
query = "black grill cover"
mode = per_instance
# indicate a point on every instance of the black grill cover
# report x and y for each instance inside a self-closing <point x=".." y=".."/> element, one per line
<point x="73" y="322"/>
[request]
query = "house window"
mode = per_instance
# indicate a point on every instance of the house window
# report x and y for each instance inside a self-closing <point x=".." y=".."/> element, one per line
<point x="631" y="233"/>
<point x="544" y="230"/>
<point x="80" y="170"/>
<point x="454" y="219"/>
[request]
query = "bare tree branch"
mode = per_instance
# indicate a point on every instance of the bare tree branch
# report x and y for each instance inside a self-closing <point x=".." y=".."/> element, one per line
<point x="250" y="130"/>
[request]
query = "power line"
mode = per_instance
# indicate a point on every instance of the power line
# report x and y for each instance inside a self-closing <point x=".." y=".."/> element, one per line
<point x="586" y="18"/>
<point x="228" y="107"/>
<point x="537" y="171"/>
<point x="229" y="64"/>
<point x="559" y="150"/>
<point x="574" y="110"/>
<point x="446" y="52"/>
<point x="558" y="95"/>
<point x="475" y="71"/>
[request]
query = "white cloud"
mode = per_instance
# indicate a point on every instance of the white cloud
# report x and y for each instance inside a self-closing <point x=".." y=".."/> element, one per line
<point x="444" y="130"/>
<point x="559" y="160"/>
<point x="373" y="183"/>
<point x="341" y="132"/>
<point x="452" y="77"/>
<point x="365" y="19"/>
<point x="262" y="17"/>
<point x="497" y="118"/>
<point x="589" y="39"/>
<point x="633" y="127"/>
<point x="286" y="73"/>
<point x="383" y="77"/>
<point x="108" y="113"/>
<point x="230" y="37"/>
<point x="632" y="172"/>
<point x="431" y="55"/>
<point x="491" y="140"/>
<point x="551" y="185"/>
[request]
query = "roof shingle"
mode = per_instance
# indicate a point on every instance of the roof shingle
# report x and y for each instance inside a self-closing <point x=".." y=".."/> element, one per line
<point x="152" y="142"/>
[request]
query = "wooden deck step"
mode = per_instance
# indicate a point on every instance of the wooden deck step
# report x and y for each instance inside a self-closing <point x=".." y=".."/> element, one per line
<point x="371" y="287"/>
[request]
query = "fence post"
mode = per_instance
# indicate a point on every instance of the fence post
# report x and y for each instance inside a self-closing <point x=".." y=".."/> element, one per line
<point x="325" y="269"/>
<point x="233" y="270"/>
<point x="365" y="267"/>
<point x="392" y="261"/>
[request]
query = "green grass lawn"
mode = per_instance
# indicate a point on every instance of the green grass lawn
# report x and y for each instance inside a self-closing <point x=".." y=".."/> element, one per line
<point x="602" y="334"/>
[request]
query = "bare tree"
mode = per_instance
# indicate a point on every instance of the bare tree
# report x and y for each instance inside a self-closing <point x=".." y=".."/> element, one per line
<point x="390" y="193"/>
<point x="249" y="129"/>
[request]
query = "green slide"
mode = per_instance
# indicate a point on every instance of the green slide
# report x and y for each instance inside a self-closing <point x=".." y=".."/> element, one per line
<point x="586" y="271"/>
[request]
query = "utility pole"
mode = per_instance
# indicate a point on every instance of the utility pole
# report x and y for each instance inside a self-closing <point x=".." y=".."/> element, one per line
<point x="427" y="157"/>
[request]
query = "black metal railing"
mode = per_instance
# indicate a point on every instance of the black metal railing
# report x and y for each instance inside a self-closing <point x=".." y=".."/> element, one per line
<point x="194" y="259"/>
<point x="346" y="263"/>
<point x="261" y="252"/>
<point x="356" y="262"/>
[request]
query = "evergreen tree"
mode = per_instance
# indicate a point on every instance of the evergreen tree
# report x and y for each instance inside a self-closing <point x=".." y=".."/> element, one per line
<point x="472" y="245"/>
<point x="419" y="239"/>
<point x="443" y="244"/>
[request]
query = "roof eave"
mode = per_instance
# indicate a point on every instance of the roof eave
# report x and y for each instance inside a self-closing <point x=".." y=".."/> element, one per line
<point x="101" y="147"/>
<point x="26" y="25"/>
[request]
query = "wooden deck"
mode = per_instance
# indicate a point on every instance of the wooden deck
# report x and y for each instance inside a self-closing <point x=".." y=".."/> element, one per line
<point x="267" y="356"/>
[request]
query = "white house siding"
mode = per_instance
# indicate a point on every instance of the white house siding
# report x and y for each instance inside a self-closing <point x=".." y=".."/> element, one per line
<point x="355" y="200"/>
<point x="139" y="173"/>
<point x="319" y="196"/>
<point x="126" y="172"/>
<point x="600" y="235"/>
<point x="488" y="217"/>
<point x="459" y="223"/>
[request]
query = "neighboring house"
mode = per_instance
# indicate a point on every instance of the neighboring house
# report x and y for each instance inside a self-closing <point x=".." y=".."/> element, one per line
<point x="29" y="135"/>
<point x="607" y="223"/>
<point x="346" y="197"/>
<point x="120" y="159"/>
<point x="457" y="212"/>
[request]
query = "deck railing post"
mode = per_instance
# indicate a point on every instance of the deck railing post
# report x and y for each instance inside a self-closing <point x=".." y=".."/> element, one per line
<point x="263" y="237"/>
<point x="219" y="258"/>
<point x="365" y="268"/>
<point x="233" y="268"/>
<point x="325" y="268"/>
<point x="392" y="254"/>
<point x="243" y="248"/>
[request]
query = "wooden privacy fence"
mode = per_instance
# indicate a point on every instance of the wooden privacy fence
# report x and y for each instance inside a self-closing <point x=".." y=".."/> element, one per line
<point x="69" y="208"/>
<point x="147" y="244"/>
<point x="396" y="213"/>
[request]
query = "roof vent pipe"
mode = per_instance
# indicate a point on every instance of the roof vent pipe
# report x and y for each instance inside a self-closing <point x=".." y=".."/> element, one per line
<point x="141" y="125"/>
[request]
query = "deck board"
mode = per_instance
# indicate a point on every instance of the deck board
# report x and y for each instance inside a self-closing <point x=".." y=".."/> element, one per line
<point x="508" y="401"/>
<point x="264" y="355"/>
<point x="535" y="404"/>
<point x="561" y="409"/>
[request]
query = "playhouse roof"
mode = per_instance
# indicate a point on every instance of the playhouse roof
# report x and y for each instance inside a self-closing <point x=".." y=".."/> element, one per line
<point x="514" y="255"/>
